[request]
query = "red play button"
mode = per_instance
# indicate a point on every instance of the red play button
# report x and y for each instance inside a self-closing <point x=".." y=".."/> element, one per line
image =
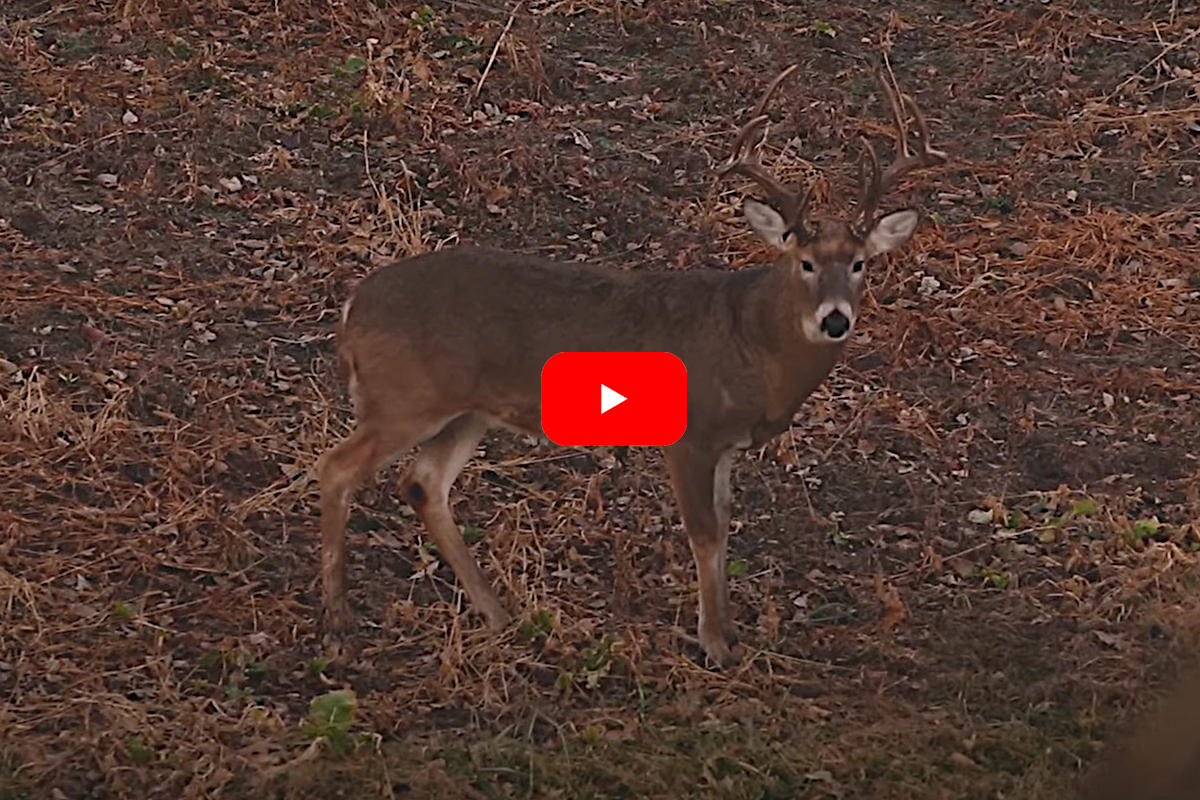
<point x="591" y="399"/>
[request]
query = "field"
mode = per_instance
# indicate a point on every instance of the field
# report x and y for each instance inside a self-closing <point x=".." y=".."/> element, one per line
<point x="969" y="565"/>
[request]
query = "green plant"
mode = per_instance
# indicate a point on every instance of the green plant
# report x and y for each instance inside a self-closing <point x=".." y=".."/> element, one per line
<point x="423" y="18"/>
<point x="234" y="692"/>
<point x="596" y="663"/>
<point x="352" y="66"/>
<point x="1084" y="508"/>
<point x="994" y="579"/>
<point x="821" y="26"/>
<point x="1145" y="528"/>
<point x="137" y="750"/>
<point x="540" y="625"/>
<point x="330" y="717"/>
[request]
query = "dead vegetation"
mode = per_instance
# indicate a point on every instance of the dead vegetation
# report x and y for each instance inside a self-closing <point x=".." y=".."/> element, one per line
<point x="969" y="562"/>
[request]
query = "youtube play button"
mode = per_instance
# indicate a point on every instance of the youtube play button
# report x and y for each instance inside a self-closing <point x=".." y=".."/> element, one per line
<point x="643" y="399"/>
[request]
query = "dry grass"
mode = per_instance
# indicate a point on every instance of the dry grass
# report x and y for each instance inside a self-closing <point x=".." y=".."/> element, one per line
<point x="969" y="562"/>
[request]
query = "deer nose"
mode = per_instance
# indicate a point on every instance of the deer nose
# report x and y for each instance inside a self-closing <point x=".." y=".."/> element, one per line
<point x="835" y="324"/>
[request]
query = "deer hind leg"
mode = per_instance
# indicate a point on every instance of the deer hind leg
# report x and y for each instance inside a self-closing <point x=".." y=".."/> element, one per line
<point x="701" y="485"/>
<point x="341" y="470"/>
<point x="426" y="487"/>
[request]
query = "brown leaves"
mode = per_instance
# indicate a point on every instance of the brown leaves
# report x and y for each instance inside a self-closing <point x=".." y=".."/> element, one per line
<point x="895" y="611"/>
<point x="495" y="196"/>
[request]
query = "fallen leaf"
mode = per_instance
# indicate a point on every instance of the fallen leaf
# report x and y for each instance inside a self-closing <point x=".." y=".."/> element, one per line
<point x="92" y="333"/>
<point x="929" y="285"/>
<point x="962" y="761"/>
<point x="980" y="516"/>
<point x="962" y="567"/>
<point x="581" y="139"/>
<point x="894" y="609"/>
<point x="498" y="194"/>
<point x="421" y="69"/>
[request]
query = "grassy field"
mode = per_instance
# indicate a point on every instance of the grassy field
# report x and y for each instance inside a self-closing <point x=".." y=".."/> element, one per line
<point x="969" y="564"/>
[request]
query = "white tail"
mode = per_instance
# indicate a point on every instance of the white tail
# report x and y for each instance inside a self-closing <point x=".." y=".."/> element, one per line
<point x="440" y="347"/>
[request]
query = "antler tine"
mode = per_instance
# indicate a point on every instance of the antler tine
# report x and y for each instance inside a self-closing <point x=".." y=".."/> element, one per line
<point x="761" y="108"/>
<point x="745" y="159"/>
<point x="870" y="186"/>
<point x="906" y="159"/>
<point x="896" y="106"/>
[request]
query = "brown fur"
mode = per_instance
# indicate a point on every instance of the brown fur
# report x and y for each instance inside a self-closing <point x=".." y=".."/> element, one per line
<point x="1161" y="760"/>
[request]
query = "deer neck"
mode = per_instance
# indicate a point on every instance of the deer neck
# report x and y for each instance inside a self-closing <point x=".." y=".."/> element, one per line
<point x="792" y="365"/>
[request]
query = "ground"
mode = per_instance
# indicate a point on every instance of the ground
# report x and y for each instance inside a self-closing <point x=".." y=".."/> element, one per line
<point x="969" y="564"/>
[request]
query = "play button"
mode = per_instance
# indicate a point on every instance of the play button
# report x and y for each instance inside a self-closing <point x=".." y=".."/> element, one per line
<point x="610" y="399"/>
<point x="650" y="410"/>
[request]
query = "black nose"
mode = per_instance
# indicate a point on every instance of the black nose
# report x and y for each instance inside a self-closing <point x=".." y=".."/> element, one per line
<point x="835" y="324"/>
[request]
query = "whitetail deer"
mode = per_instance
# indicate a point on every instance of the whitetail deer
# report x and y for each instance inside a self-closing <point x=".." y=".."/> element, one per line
<point x="440" y="347"/>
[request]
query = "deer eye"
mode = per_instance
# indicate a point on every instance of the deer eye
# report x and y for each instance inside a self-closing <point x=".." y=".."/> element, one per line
<point x="806" y="266"/>
<point x="857" y="266"/>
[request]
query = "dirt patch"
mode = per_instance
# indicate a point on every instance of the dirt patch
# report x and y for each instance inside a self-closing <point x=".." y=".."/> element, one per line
<point x="968" y="562"/>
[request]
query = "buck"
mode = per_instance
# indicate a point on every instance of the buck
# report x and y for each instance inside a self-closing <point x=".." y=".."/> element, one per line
<point x="440" y="347"/>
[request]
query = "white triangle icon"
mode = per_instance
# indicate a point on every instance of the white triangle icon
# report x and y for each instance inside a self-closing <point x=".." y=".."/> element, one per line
<point x="610" y="399"/>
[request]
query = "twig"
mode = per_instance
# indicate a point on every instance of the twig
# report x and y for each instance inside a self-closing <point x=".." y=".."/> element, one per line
<point x="495" y="50"/>
<point x="75" y="148"/>
<point x="1161" y="55"/>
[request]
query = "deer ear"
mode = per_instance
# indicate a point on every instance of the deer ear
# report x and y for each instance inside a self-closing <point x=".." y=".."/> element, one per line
<point x="767" y="223"/>
<point x="891" y="232"/>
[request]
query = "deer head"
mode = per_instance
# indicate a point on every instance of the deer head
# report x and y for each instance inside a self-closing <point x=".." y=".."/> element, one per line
<point x="827" y="256"/>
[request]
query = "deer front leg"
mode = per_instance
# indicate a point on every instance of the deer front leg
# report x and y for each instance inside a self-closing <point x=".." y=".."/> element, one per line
<point x="701" y="484"/>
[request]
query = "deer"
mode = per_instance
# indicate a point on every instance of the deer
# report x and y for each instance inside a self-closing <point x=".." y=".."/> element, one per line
<point x="441" y="347"/>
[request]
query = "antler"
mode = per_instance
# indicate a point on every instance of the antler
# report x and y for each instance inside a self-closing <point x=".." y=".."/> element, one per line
<point x="875" y="184"/>
<point x="791" y="202"/>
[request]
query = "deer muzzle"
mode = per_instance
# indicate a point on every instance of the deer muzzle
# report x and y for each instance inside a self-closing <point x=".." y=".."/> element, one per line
<point x="835" y="320"/>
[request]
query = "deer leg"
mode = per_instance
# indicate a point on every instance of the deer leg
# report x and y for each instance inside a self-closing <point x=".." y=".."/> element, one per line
<point x="341" y="470"/>
<point x="701" y="484"/>
<point x="426" y="487"/>
<point x="722" y="503"/>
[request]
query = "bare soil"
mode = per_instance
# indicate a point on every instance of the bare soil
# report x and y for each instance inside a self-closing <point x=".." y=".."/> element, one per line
<point x="967" y="566"/>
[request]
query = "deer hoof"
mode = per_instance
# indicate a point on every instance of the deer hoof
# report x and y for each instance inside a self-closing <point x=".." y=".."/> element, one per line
<point x="497" y="618"/>
<point x="337" y="617"/>
<point x="719" y="651"/>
